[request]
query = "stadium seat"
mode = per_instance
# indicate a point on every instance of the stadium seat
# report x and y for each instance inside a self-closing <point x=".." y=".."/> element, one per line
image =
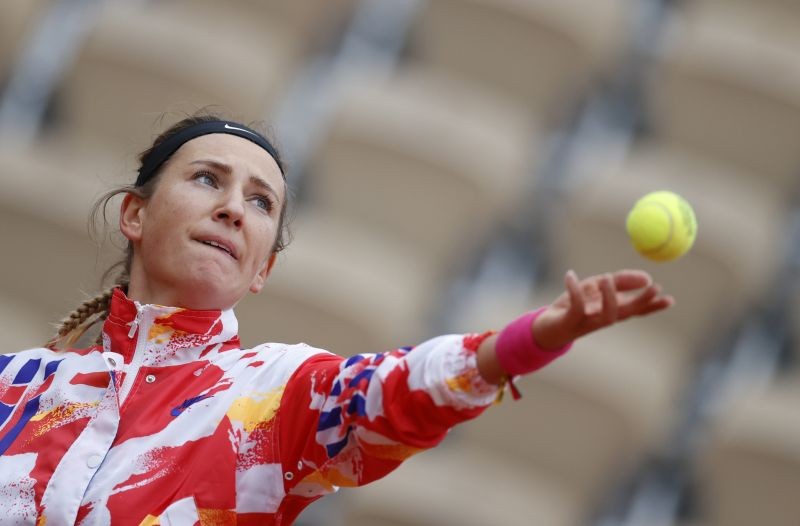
<point x="45" y="202"/>
<point x="429" y="163"/>
<point x="543" y="54"/>
<point x="776" y="14"/>
<point x="141" y="61"/>
<point x="727" y="90"/>
<point x="310" y="23"/>
<point x="17" y="18"/>
<point x="23" y="325"/>
<point x="750" y="470"/>
<point x="455" y="484"/>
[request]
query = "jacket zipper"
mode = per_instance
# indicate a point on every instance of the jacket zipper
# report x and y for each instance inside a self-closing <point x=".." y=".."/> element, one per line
<point x="135" y="323"/>
<point x="134" y="366"/>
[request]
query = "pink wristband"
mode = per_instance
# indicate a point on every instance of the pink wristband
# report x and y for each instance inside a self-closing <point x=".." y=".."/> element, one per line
<point x="517" y="350"/>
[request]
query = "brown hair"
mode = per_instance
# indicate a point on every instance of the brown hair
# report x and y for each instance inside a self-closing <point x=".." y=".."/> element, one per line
<point x="95" y="309"/>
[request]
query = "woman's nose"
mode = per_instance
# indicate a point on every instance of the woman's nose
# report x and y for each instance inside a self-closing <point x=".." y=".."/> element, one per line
<point x="231" y="210"/>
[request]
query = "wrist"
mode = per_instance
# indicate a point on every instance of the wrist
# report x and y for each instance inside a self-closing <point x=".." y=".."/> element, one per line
<point x="544" y="338"/>
<point x="517" y="349"/>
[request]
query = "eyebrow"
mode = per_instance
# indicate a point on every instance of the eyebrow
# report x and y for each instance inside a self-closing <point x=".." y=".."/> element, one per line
<point x="227" y="169"/>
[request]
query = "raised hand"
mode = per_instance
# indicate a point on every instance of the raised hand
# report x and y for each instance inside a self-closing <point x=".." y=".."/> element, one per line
<point x="597" y="302"/>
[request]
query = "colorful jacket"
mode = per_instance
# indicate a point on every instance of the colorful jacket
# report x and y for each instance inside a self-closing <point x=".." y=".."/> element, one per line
<point x="172" y="422"/>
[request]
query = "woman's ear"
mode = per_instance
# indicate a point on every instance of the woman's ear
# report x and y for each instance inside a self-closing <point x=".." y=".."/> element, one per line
<point x="131" y="213"/>
<point x="261" y="277"/>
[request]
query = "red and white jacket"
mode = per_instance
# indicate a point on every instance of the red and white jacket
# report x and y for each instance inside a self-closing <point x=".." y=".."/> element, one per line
<point x="172" y="422"/>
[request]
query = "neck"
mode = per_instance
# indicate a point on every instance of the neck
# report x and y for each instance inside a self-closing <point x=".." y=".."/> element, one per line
<point x="154" y="290"/>
<point x="146" y="291"/>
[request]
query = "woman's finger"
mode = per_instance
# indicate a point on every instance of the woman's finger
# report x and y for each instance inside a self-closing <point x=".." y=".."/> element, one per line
<point x="634" y="304"/>
<point x="576" y="304"/>
<point x="610" y="306"/>
<point x="658" y="304"/>
<point x="631" y="279"/>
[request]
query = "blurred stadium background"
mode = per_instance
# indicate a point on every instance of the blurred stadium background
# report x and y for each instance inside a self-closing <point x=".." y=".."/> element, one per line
<point x="451" y="159"/>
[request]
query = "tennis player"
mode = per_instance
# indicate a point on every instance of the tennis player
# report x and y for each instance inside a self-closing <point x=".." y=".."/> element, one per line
<point x="167" y="420"/>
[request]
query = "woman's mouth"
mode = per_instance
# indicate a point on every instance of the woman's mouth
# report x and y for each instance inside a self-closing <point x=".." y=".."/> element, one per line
<point x="219" y="246"/>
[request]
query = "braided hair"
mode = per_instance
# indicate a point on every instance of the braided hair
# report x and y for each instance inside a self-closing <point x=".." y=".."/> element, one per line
<point x="94" y="309"/>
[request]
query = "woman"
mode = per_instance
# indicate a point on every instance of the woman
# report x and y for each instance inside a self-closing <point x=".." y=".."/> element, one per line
<point x="168" y="421"/>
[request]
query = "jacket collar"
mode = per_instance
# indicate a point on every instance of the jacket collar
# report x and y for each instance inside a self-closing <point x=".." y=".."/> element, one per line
<point x="162" y="331"/>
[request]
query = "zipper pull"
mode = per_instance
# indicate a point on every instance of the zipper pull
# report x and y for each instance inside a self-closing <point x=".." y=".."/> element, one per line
<point x="135" y="323"/>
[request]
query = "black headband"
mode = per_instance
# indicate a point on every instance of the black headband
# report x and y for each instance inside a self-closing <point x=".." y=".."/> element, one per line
<point x="162" y="151"/>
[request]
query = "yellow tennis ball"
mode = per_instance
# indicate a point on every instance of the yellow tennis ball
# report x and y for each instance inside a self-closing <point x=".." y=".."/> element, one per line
<point x="662" y="226"/>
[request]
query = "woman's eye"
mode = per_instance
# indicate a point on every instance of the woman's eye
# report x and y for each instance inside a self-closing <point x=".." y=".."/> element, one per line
<point x="205" y="178"/>
<point x="263" y="202"/>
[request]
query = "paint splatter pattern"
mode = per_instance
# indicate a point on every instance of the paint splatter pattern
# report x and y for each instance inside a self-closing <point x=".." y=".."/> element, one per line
<point x="170" y="421"/>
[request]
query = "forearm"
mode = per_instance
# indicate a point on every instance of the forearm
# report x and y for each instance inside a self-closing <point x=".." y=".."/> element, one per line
<point x="488" y="364"/>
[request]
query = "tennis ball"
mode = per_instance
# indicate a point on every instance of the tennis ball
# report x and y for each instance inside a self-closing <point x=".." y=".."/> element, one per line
<point x="662" y="226"/>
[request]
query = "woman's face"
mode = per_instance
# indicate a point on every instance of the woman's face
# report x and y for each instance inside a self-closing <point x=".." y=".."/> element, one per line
<point x="205" y="237"/>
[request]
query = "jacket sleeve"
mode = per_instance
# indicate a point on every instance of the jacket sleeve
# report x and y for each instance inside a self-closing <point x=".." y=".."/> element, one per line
<point x="347" y="422"/>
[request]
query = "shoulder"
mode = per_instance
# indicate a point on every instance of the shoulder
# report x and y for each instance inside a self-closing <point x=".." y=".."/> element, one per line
<point x="284" y="359"/>
<point x="31" y="356"/>
<point x="23" y="366"/>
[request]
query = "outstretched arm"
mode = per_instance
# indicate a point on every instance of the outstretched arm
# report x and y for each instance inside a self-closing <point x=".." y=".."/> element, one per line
<point x="584" y="307"/>
<point x="347" y="422"/>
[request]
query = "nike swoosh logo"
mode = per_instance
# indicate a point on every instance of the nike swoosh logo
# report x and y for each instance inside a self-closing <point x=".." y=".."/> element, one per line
<point x="229" y="127"/>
